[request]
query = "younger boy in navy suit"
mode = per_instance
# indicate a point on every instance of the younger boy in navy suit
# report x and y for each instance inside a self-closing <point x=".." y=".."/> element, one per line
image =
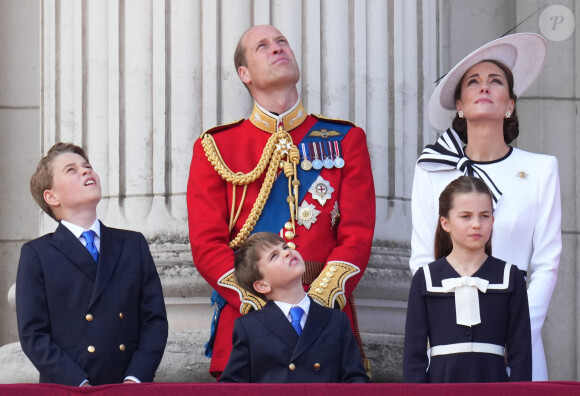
<point x="292" y="339"/>
<point x="89" y="302"/>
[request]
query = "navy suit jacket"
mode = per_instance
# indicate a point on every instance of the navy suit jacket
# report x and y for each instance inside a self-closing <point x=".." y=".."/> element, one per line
<point x="78" y="319"/>
<point x="267" y="349"/>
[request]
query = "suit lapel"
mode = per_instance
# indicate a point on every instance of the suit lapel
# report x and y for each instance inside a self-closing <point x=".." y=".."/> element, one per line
<point x="70" y="246"/>
<point x="316" y="321"/>
<point x="273" y="318"/>
<point x="111" y="248"/>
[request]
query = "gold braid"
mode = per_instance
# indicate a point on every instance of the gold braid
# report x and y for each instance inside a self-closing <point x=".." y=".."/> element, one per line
<point x="272" y="155"/>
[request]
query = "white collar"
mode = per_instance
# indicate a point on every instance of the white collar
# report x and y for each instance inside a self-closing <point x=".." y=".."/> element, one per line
<point x="304" y="304"/>
<point x="279" y="117"/>
<point x="78" y="230"/>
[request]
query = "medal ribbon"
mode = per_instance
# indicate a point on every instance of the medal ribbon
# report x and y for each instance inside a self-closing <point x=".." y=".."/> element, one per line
<point x="330" y="152"/>
<point x="305" y="153"/>
<point x="337" y="152"/>
<point x="315" y="149"/>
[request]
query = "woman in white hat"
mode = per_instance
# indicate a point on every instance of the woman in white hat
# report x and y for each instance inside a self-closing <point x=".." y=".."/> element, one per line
<point x="481" y="92"/>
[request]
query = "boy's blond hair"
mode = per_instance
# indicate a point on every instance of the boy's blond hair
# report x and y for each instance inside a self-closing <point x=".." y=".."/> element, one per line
<point x="42" y="179"/>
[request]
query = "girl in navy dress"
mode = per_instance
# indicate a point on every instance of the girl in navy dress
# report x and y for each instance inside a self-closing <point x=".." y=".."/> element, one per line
<point x="468" y="318"/>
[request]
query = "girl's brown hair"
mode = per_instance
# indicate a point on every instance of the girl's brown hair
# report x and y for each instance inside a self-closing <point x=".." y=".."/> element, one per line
<point x="461" y="185"/>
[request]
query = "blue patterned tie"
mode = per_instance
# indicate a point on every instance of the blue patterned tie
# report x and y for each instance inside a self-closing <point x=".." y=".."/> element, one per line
<point x="296" y="314"/>
<point x="90" y="239"/>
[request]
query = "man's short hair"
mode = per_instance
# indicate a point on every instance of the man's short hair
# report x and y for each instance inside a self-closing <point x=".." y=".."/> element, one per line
<point x="240" y="52"/>
<point x="246" y="270"/>
<point x="43" y="177"/>
<point x="240" y="56"/>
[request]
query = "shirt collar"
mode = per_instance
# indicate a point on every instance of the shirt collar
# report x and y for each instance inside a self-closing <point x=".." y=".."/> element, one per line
<point x="304" y="304"/>
<point x="78" y="230"/>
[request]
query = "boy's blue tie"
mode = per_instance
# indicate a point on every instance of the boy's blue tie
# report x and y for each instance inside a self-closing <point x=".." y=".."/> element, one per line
<point x="296" y="314"/>
<point x="90" y="239"/>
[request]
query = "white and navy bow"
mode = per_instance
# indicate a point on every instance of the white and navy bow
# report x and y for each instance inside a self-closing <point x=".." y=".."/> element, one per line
<point x="447" y="153"/>
<point x="466" y="298"/>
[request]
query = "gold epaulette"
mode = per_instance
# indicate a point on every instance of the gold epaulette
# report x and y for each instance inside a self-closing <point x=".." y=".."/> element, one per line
<point x="249" y="301"/>
<point x="221" y="127"/>
<point x="328" y="288"/>
<point x="336" y="120"/>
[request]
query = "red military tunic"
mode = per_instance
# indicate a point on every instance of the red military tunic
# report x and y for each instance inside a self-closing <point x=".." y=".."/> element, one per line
<point x="347" y="239"/>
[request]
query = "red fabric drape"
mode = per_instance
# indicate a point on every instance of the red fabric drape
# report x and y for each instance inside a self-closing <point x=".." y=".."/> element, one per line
<point x="157" y="389"/>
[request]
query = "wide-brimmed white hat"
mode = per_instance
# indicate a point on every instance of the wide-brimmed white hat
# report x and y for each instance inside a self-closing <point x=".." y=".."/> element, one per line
<point x="524" y="53"/>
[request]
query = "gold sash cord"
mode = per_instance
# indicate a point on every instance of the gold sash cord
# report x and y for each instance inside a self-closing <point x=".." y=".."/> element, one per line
<point x="279" y="151"/>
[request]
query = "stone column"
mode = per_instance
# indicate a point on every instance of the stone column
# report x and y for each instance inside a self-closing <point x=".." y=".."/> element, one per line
<point x="19" y="143"/>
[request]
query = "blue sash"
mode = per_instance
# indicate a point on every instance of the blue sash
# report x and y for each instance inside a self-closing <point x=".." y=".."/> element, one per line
<point x="275" y="212"/>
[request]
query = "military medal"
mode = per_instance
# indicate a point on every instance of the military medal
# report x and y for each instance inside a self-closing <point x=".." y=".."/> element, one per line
<point x="338" y="161"/>
<point x="317" y="162"/>
<point x="307" y="214"/>
<point x="321" y="190"/>
<point x="328" y="162"/>
<point x="305" y="164"/>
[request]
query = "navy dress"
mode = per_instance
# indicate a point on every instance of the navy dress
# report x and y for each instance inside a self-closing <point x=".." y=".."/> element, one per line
<point x="431" y="322"/>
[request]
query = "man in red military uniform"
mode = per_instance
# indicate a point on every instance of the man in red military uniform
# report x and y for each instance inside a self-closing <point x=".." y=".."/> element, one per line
<point x="305" y="177"/>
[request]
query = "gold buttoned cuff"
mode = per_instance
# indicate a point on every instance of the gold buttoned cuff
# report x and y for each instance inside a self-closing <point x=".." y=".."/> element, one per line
<point x="328" y="288"/>
<point x="248" y="299"/>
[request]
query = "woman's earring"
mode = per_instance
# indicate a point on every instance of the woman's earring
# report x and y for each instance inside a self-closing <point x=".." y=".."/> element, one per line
<point x="460" y="113"/>
<point x="508" y="114"/>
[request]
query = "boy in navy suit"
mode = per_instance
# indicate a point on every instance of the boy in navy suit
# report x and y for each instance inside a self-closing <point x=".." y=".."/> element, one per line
<point x="89" y="302"/>
<point x="292" y="339"/>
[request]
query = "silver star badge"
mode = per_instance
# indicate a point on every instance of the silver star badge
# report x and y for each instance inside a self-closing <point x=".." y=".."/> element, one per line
<point x="307" y="214"/>
<point x="321" y="190"/>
